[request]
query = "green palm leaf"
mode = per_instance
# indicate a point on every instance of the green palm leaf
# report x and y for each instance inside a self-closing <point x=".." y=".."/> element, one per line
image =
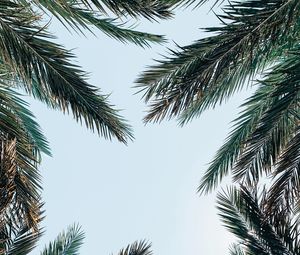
<point x="210" y="70"/>
<point x="67" y="243"/>
<point x="279" y="122"/>
<point x="78" y="17"/>
<point x="28" y="51"/>
<point x="263" y="129"/>
<point x="236" y="250"/>
<point x="243" y="216"/>
<point x="243" y="127"/>
<point x="21" y="141"/>
<point x="137" y="248"/>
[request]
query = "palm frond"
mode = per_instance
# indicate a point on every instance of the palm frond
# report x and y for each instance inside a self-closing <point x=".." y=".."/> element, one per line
<point x="243" y="127"/>
<point x="78" y="16"/>
<point x="284" y="191"/>
<point x="243" y="216"/>
<point x="18" y="121"/>
<point x="137" y="248"/>
<point x="278" y="124"/>
<point x="66" y="243"/>
<point x="228" y="205"/>
<point x="262" y="130"/>
<point x="28" y="51"/>
<point x="210" y="70"/>
<point x="236" y="249"/>
<point x="149" y="9"/>
<point x="20" y="239"/>
<point x="21" y="142"/>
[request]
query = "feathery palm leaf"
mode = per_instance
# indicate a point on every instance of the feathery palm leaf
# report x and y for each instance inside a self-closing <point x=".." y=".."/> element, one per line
<point x="236" y="250"/>
<point x="21" y="142"/>
<point x="26" y="48"/>
<point x="67" y="243"/>
<point x="150" y="9"/>
<point x="279" y="122"/>
<point x="245" y="217"/>
<point x="243" y="126"/>
<point x="263" y="129"/>
<point x="79" y="16"/>
<point x="20" y="240"/>
<point x="284" y="191"/>
<point x="137" y="248"/>
<point x="212" y="69"/>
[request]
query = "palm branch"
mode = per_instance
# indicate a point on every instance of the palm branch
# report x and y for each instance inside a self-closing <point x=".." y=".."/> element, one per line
<point x="80" y="15"/>
<point x="263" y="131"/>
<point x="21" y="142"/>
<point x="236" y="249"/>
<point x="28" y="52"/>
<point x="245" y="216"/>
<point x="136" y="248"/>
<point x="19" y="238"/>
<point x="67" y="243"/>
<point x="201" y="75"/>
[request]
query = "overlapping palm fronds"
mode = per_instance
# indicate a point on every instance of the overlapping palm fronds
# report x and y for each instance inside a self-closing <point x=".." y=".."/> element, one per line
<point x="265" y="131"/>
<point x="256" y="39"/>
<point x="31" y="60"/>
<point x="17" y="237"/>
<point x="26" y="49"/>
<point x="244" y="213"/>
<point x="21" y="142"/>
<point x="254" y="34"/>
<point x="82" y="15"/>
<point x="66" y="243"/>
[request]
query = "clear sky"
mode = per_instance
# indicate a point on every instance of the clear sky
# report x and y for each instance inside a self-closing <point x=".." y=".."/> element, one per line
<point x="146" y="190"/>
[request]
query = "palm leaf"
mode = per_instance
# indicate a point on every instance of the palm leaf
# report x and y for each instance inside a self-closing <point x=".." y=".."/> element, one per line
<point x="79" y="17"/>
<point x="20" y="239"/>
<point x="137" y="248"/>
<point x="236" y="250"/>
<point x="243" y="127"/>
<point x="66" y="243"/>
<point x="21" y="142"/>
<point x="278" y="124"/>
<point x="262" y="130"/>
<point x="26" y="50"/>
<point x="210" y="70"/>
<point x="242" y="215"/>
<point x="228" y="205"/>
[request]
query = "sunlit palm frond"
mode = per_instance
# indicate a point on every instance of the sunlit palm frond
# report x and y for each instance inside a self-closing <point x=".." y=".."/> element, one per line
<point x="21" y="240"/>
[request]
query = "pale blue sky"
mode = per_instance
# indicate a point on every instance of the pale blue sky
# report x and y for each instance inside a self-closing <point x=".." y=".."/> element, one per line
<point x="146" y="190"/>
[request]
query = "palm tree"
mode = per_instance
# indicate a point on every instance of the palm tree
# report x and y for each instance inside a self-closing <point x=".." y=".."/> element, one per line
<point x="256" y="39"/>
<point x="259" y="231"/>
<point x="31" y="61"/>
